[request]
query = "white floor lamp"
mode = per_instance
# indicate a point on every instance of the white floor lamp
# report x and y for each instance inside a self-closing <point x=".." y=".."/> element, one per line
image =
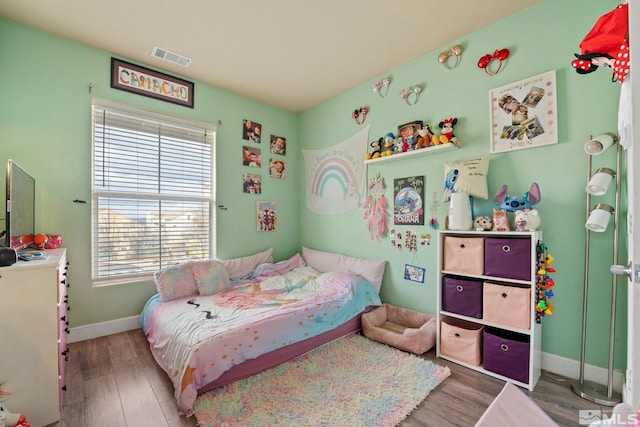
<point x="597" y="221"/>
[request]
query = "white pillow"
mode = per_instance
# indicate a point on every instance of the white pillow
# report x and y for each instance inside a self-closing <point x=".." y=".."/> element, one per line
<point x="370" y="269"/>
<point x="241" y="267"/>
<point x="471" y="177"/>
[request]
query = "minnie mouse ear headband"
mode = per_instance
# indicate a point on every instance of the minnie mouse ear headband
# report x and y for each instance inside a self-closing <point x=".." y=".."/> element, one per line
<point x="382" y="87"/>
<point x="499" y="55"/>
<point x="606" y="45"/>
<point x="443" y="58"/>
<point x="359" y="114"/>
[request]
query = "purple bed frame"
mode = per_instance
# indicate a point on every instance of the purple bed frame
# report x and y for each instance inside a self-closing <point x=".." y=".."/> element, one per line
<point x="276" y="357"/>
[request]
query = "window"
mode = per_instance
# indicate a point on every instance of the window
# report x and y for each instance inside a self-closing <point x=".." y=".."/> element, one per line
<point x="153" y="192"/>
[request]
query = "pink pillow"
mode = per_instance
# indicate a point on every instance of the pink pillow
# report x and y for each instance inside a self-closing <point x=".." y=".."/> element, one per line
<point x="370" y="269"/>
<point x="210" y="276"/>
<point x="175" y="282"/>
<point x="238" y="268"/>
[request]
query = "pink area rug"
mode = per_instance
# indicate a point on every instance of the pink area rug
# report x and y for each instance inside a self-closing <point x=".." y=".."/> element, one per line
<point x="349" y="382"/>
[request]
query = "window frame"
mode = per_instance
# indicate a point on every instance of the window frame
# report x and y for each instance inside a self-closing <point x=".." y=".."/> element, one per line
<point x="210" y="198"/>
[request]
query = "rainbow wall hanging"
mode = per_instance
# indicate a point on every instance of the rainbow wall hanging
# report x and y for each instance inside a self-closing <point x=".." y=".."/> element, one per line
<point x="336" y="176"/>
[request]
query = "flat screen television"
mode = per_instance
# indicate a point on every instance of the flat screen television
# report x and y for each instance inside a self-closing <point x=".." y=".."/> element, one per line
<point x="21" y="195"/>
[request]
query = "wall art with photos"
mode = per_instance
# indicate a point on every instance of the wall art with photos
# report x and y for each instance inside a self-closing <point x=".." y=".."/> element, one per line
<point x="277" y="168"/>
<point x="266" y="216"/>
<point x="251" y="183"/>
<point x="251" y="156"/>
<point x="408" y="200"/>
<point x="251" y="131"/>
<point x="524" y="114"/>
<point x="144" y="81"/>
<point x="278" y="145"/>
<point x="414" y="273"/>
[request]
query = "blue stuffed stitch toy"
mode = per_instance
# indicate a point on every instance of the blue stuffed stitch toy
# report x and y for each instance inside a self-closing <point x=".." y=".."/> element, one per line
<point x="512" y="204"/>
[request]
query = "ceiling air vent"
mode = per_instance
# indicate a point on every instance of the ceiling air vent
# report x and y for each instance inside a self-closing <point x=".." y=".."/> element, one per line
<point x="167" y="55"/>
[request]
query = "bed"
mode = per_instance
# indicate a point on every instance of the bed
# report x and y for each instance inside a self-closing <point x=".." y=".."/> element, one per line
<point x="214" y="322"/>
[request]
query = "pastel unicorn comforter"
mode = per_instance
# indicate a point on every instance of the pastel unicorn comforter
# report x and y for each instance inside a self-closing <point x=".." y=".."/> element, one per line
<point x="196" y="339"/>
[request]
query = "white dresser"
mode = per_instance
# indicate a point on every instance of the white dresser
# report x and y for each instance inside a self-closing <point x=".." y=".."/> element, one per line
<point x="33" y="336"/>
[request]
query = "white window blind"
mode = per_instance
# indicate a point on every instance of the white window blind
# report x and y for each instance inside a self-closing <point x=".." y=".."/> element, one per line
<point x="153" y="192"/>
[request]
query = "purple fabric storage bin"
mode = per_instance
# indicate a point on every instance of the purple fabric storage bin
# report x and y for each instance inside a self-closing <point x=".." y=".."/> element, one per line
<point x="506" y="353"/>
<point x="462" y="296"/>
<point x="507" y="258"/>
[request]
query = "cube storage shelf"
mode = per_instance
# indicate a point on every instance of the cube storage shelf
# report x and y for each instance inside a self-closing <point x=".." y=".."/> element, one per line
<point x="486" y="316"/>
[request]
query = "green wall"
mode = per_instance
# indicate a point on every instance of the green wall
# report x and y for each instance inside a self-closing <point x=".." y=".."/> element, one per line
<point x="45" y="126"/>
<point x="540" y="38"/>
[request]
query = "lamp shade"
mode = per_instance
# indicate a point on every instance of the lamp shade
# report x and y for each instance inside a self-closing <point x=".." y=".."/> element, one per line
<point x="599" y="144"/>
<point x="600" y="181"/>
<point x="599" y="218"/>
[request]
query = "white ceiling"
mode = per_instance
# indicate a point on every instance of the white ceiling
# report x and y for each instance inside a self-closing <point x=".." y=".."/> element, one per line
<point x="292" y="54"/>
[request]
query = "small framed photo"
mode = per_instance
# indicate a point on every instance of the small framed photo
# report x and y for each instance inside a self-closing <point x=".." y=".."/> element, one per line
<point x="251" y="183"/>
<point x="277" y="168"/>
<point x="251" y="131"/>
<point x="251" y="157"/>
<point x="278" y="145"/>
<point x="266" y="216"/>
<point x="414" y="273"/>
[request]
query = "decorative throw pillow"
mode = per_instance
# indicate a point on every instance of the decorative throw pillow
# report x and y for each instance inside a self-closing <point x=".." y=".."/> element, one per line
<point x="175" y="282"/>
<point x="210" y="276"/>
<point x="370" y="269"/>
<point x="241" y="267"/>
<point x="466" y="176"/>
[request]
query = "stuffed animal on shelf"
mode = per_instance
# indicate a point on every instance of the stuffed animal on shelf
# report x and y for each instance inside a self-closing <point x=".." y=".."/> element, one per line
<point x="389" y="145"/>
<point x="446" y="133"/>
<point x="528" y="218"/>
<point x="376" y="149"/>
<point x="512" y="204"/>
<point x="483" y="223"/>
<point x="500" y="220"/>
<point x="426" y="136"/>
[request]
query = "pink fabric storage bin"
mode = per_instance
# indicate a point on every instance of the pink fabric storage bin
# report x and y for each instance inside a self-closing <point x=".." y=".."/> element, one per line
<point x="508" y="258"/>
<point x="463" y="255"/>
<point x="507" y="305"/>
<point x="462" y="296"/>
<point x="506" y="353"/>
<point x="461" y="340"/>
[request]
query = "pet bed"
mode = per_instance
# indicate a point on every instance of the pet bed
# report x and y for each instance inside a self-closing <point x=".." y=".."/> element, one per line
<point x="223" y="330"/>
<point x="399" y="327"/>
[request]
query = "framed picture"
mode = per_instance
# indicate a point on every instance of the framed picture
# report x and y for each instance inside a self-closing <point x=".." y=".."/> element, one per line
<point x="524" y="114"/>
<point x="251" y="183"/>
<point x="266" y="216"/>
<point x="251" y="157"/>
<point x="251" y="131"/>
<point x="408" y="134"/>
<point x="408" y="201"/>
<point x="278" y="145"/>
<point x="414" y="273"/>
<point x="277" y="168"/>
<point x="144" y="81"/>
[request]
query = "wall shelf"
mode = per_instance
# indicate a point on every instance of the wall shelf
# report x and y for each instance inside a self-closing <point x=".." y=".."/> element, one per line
<point x="421" y="152"/>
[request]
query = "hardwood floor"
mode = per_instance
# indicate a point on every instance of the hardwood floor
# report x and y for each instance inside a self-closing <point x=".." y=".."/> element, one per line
<point x="114" y="381"/>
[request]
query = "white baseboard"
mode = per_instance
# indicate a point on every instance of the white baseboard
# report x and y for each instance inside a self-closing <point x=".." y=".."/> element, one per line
<point x="571" y="368"/>
<point x="95" y="330"/>
<point x="550" y="362"/>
